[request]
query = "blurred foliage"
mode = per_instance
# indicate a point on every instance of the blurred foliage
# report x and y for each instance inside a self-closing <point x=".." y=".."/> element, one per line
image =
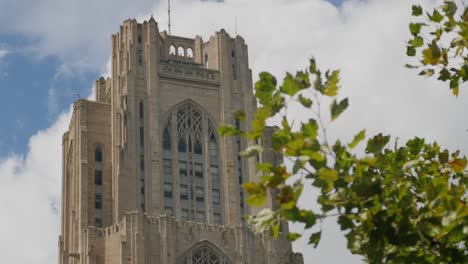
<point x="440" y="43"/>
<point x="395" y="204"/>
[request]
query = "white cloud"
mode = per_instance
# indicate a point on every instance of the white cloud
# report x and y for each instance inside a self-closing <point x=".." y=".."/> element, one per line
<point x="365" y="39"/>
<point x="30" y="198"/>
<point x="3" y="53"/>
<point x="78" y="32"/>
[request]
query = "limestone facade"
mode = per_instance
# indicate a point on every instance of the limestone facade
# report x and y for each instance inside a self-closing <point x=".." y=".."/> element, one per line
<point x="146" y="177"/>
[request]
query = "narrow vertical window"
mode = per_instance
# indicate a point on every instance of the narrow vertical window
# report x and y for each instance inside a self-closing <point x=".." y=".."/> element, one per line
<point x="240" y="168"/>
<point x="234" y="65"/>
<point x="142" y="157"/>
<point x="98" y="181"/>
<point x="167" y="172"/>
<point x="215" y="181"/>
<point x="140" y="50"/>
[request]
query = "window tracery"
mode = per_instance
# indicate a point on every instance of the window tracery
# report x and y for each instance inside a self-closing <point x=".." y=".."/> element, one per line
<point x="190" y="143"/>
<point x="204" y="255"/>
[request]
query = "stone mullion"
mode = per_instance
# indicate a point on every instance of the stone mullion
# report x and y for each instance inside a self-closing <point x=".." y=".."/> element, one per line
<point x="175" y="165"/>
<point x="206" y="171"/>
<point x="190" y="174"/>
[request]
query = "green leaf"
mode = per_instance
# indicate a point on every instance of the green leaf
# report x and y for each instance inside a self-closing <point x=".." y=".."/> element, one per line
<point x="307" y="217"/>
<point x="258" y="124"/>
<point x="463" y="72"/>
<point x="265" y="87"/>
<point x="357" y="138"/>
<point x="432" y="54"/>
<point x="427" y="72"/>
<point x="449" y="8"/>
<point x="292" y="85"/>
<point x="409" y="66"/>
<point x="331" y="85"/>
<point x="274" y="231"/>
<point x="293" y="236"/>
<point x="416" y="42"/>
<point x="327" y="175"/>
<point x="306" y="102"/>
<point x="228" y="130"/>
<point x="318" y="85"/>
<point x="313" y="66"/>
<point x="338" y="108"/>
<point x="289" y="86"/>
<point x="410" y="51"/>
<point x="376" y="144"/>
<point x="310" y="129"/>
<point x="444" y="75"/>
<point x="251" y="151"/>
<point x="315" y="239"/>
<point x="436" y="16"/>
<point x="257" y="194"/>
<point x="415" y="28"/>
<point x="239" y="115"/>
<point x="345" y="222"/>
<point x="326" y="179"/>
<point x="417" y="10"/>
<point x="415" y="145"/>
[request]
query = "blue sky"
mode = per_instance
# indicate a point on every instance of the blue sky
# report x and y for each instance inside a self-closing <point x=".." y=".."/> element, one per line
<point x="50" y="49"/>
<point x="35" y="89"/>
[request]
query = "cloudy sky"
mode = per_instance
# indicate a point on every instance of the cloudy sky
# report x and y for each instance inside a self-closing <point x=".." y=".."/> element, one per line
<point x="52" y="49"/>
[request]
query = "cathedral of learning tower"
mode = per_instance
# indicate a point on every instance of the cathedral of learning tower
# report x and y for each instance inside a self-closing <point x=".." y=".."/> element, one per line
<point x="147" y="179"/>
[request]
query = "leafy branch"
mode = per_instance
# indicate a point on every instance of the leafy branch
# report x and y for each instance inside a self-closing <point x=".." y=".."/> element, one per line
<point x="403" y="204"/>
<point x="445" y="52"/>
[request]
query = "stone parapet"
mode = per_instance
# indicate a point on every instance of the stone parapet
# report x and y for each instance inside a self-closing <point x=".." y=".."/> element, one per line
<point x="190" y="72"/>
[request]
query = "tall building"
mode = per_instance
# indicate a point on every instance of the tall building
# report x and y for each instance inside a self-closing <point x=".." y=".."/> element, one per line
<point x="146" y="177"/>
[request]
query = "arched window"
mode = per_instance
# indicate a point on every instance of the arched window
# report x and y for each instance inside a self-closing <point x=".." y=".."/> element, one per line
<point x="204" y="254"/>
<point x="206" y="61"/>
<point x="189" y="53"/>
<point x="172" y="50"/>
<point x="181" y="51"/>
<point x="189" y="134"/>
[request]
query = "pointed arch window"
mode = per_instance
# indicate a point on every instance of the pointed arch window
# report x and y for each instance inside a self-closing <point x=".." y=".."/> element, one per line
<point x="204" y="254"/>
<point x="190" y="143"/>
<point x="172" y="50"/>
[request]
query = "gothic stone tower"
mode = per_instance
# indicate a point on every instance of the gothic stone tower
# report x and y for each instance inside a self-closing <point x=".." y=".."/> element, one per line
<point x="146" y="177"/>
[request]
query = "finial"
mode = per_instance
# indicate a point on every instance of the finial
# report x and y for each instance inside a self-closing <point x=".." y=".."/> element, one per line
<point x="235" y="25"/>
<point x="169" y="16"/>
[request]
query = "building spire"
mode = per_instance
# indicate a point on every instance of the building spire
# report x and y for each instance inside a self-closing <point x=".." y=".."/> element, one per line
<point x="235" y="24"/>
<point x="169" y="15"/>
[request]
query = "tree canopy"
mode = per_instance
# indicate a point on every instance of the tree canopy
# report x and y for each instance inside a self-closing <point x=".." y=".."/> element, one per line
<point x="395" y="203"/>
